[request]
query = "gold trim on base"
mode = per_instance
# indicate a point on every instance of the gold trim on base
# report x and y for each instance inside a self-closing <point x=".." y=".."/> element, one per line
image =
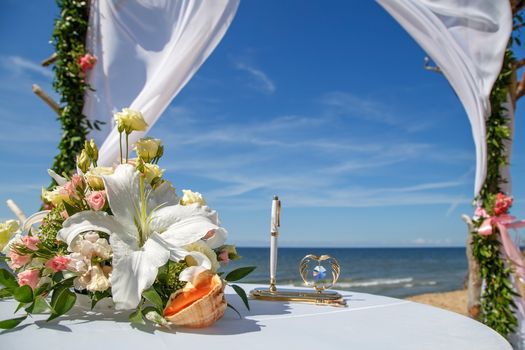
<point x="303" y="296"/>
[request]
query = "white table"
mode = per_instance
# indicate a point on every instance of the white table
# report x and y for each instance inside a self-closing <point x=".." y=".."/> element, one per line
<point x="369" y="322"/>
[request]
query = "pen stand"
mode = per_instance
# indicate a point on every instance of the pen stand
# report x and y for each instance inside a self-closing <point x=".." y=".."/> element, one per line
<point x="317" y="272"/>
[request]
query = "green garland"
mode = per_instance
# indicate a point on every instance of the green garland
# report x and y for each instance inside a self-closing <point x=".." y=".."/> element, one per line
<point x="69" y="39"/>
<point x="496" y="301"/>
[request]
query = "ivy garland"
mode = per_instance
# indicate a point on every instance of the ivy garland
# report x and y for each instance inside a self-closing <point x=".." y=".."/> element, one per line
<point x="497" y="303"/>
<point x="69" y="38"/>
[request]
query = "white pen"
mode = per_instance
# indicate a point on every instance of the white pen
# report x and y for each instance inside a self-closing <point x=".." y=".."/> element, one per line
<point x="274" y="230"/>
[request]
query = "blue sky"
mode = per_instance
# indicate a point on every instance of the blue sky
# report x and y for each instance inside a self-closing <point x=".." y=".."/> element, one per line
<point x="327" y="106"/>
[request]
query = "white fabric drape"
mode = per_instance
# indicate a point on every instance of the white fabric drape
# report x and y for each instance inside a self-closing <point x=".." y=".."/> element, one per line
<point x="467" y="41"/>
<point x="147" y="50"/>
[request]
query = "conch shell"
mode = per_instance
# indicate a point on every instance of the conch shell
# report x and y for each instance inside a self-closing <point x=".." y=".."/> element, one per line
<point x="198" y="304"/>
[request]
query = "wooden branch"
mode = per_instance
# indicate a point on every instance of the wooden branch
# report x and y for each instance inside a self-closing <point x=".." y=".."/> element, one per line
<point x="16" y="210"/>
<point x="520" y="89"/>
<point x="474" y="276"/>
<point x="48" y="100"/>
<point x="517" y="5"/>
<point x="50" y="60"/>
<point x="518" y="64"/>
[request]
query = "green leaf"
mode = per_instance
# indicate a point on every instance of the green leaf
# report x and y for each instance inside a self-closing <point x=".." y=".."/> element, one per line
<point x="136" y="317"/>
<point x="239" y="273"/>
<point x="6" y="293"/>
<point x="23" y="294"/>
<point x="62" y="301"/>
<point x="153" y="297"/>
<point x="7" y="279"/>
<point x="11" y="323"/>
<point x="242" y="294"/>
<point x="234" y="309"/>
<point x="39" y="306"/>
<point x="71" y="210"/>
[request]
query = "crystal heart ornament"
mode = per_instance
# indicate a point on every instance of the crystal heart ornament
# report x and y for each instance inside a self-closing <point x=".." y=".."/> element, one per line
<point x="319" y="272"/>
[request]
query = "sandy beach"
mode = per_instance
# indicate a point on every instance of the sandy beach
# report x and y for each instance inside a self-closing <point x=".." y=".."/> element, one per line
<point x="453" y="301"/>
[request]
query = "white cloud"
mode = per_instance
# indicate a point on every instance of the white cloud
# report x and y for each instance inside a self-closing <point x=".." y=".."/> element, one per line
<point x="260" y="79"/>
<point x="22" y="65"/>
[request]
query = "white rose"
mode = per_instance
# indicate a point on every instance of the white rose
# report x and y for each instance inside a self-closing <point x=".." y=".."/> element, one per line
<point x="99" y="282"/>
<point x="148" y="148"/>
<point x="129" y="120"/>
<point x="191" y="197"/>
<point x="102" y="249"/>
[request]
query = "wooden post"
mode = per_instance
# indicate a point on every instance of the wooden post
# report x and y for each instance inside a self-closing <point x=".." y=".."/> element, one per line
<point x="45" y="97"/>
<point x="474" y="277"/>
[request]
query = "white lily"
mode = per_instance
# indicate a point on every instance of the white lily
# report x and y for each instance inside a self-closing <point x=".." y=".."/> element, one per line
<point x="148" y="227"/>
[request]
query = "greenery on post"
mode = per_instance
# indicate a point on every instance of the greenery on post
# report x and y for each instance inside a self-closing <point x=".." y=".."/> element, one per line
<point x="69" y="39"/>
<point x="497" y="305"/>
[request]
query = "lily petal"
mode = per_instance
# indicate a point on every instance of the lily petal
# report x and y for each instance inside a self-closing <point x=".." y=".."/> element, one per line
<point x="59" y="179"/>
<point x="162" y="195"/>
<point x="91" y="221"/>
<point x="122" y="188"/>
<point x="134" y="270"/>
<point x="189" y="274"/>
<point x="218" y="238"/>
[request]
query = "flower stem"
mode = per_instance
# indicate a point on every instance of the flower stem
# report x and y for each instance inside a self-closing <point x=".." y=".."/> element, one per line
<point x="143" y="214"/>
<point x="120" y="144"/>
<point x="127" y="147"/>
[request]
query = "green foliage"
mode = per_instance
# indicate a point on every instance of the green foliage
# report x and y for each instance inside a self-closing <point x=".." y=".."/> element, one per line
<point x="496" y="301"/>
<point x="69" y="40"/>
<point x="239" y="273"/>
<point x="241" y="293"/>
<point x="167" y="281"/>
<point x="51" y="224"/>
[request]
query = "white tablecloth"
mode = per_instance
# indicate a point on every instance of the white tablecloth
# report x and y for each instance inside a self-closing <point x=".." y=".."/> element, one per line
<point x="369" y="322"/>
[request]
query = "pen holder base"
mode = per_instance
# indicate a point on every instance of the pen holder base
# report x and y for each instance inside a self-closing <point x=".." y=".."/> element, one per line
<point x="301" y="296"/>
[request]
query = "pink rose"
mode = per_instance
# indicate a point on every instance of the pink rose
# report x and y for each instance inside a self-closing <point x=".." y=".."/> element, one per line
<point x="58" y="263"/>
<point x="29" y="277"/>
<point x="30" y="242"/>
<point x="17" y="260"/>
<point x="503" y="203"/>
<point x="223" y="257"/>
<point x="87" y="62"/>
<point x="69" y="189"/>
<point x="77" y="181"/>
<point x="96" y="200"/>
<point x="64" y="214"/>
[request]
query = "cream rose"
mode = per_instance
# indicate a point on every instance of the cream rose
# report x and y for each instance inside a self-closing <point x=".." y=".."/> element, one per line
<point x="203" y="248"/>
<point x="191" y="197"/>
<point x="83" y="161"/>
<point x="129" y="120"/>
<point x="152" y="171"/>
<point x="148" y="148"/>
<point x="7" y="231"/>
<point x="56" y="196"/>
<point x="94" y="177"/>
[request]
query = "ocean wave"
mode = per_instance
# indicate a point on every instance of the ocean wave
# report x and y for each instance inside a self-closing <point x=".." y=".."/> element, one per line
<point x="374" y="282"/>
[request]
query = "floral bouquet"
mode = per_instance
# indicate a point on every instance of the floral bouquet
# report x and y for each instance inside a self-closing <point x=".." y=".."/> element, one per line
<point x="123" y="233"/>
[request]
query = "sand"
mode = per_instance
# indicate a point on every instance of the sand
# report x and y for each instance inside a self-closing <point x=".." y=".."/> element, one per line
<point x="453" y="301"/>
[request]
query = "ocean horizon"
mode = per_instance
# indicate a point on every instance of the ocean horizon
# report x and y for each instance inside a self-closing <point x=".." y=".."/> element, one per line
<point x="391" y="271"/>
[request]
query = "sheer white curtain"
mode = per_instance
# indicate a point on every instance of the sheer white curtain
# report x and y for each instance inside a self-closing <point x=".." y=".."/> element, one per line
<point x="147" y="50"/>
<point x="467" y="41"/>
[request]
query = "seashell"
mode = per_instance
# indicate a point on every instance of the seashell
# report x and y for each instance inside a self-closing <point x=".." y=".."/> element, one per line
<point x="197" y="305"/>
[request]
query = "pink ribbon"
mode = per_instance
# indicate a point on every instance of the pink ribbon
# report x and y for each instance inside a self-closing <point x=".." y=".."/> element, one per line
<point x="503" y="223"/>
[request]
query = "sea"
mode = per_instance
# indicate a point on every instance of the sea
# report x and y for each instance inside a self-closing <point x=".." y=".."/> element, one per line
<point x="395" y="272"/>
